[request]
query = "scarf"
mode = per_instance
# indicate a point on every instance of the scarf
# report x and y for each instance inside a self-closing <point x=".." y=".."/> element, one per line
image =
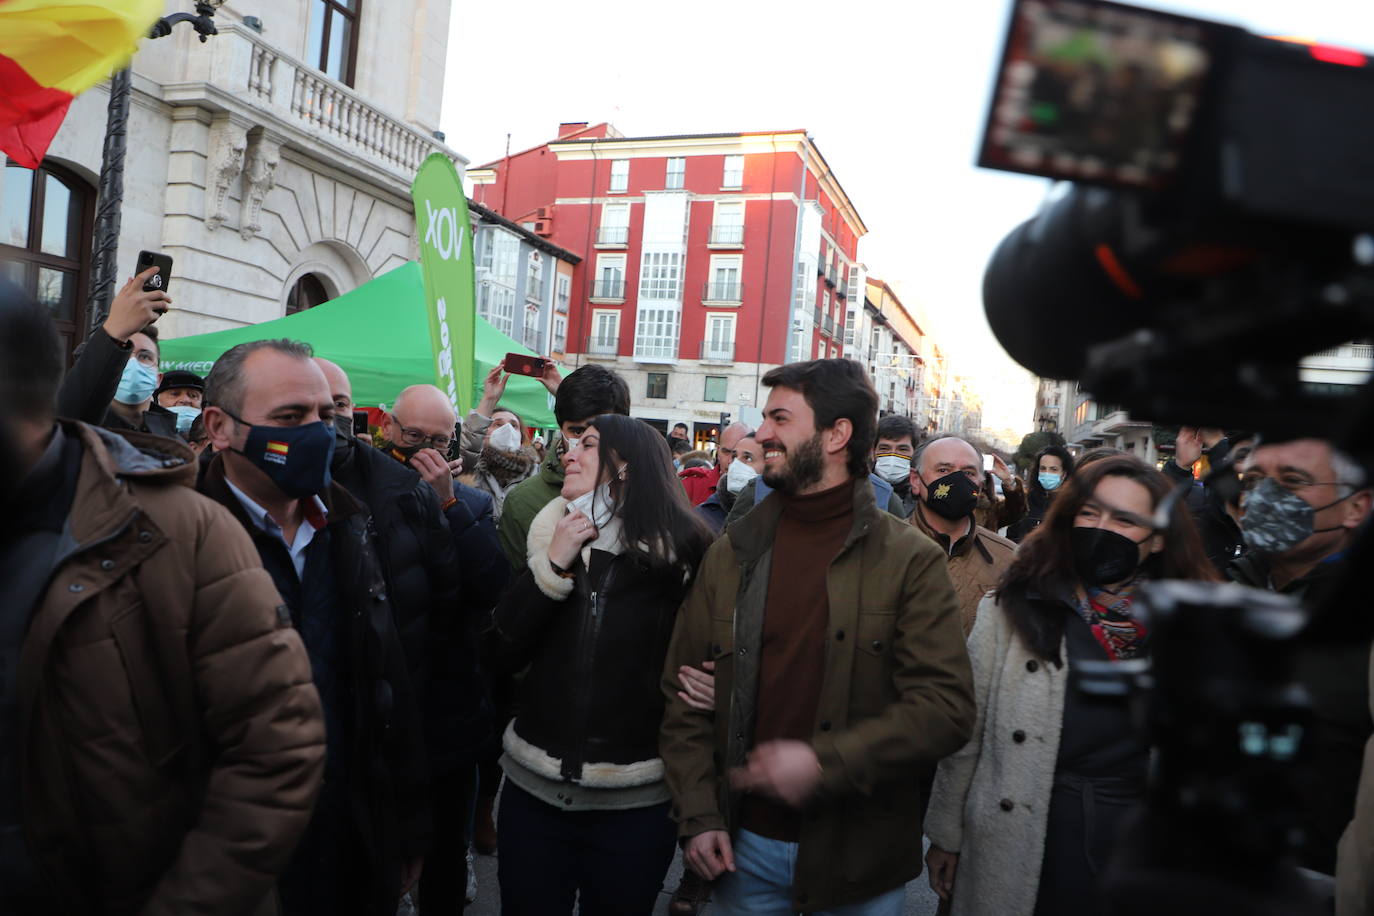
<point x="1108" y="615"/>
<point x="507" y="467"/>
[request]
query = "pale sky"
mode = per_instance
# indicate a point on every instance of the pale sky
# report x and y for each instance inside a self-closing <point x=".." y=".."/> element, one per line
<point x="893" y="93"/>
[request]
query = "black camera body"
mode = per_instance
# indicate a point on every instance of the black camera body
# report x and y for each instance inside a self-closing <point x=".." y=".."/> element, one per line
<point x="1198" y="259"/>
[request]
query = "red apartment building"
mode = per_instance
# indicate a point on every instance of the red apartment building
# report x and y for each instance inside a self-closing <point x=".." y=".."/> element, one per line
<point x="706" y="259"/>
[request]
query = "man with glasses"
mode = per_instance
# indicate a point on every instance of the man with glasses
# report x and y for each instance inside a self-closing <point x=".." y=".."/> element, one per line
<point x="1304" y="503"/>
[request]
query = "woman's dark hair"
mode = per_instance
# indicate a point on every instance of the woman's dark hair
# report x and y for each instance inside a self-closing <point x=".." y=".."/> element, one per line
<point x="1097" y="454"/>
<point x="836" y="389"/>
<point x="1043" y="566"/>
<point x="1065" y="459"/>
<point x="658" y="522"/>
<point x="589" y="392"/>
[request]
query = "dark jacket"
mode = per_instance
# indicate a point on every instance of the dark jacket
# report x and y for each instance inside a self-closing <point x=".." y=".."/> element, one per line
<point x="1038" y="502"/>
<point x="994" y="513"/>
<point x="440" y="579"/>
<point x="173" y="740"/>
<point x="595" y="647"/>
<point x="716" y="507"/>
<point x="897" y="696"/>
<point x="1221" y="537"/>
<point x="90" y="386"/>
<point x="388" y="777"/>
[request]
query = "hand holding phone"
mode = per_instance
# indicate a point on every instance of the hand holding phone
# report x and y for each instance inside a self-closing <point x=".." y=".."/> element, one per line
<point x="160" y="280"/>
<point x="519" y="364"/>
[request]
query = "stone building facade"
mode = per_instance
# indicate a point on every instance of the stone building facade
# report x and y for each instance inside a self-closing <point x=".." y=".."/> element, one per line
<point x="273" y="162"/>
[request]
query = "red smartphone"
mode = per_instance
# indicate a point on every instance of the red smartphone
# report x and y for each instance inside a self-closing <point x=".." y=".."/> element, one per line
<point x="519" y="364"/>
<point x="163" y="262"/>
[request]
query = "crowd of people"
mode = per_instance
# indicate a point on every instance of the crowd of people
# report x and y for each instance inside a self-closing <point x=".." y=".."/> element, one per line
<point x="257" y="662"/>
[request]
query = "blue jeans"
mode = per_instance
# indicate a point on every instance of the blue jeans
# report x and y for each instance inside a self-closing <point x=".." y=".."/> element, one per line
<point x="761" y="884"/>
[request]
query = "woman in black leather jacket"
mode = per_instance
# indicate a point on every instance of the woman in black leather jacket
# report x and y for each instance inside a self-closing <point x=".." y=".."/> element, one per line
<point x="584" y="812"/>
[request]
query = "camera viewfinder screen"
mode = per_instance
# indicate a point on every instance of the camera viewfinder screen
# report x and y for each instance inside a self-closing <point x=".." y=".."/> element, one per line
<point x="1096" y="92"/>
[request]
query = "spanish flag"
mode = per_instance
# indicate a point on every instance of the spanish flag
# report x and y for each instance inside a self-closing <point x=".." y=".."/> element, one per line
<point x="53" y="50"/>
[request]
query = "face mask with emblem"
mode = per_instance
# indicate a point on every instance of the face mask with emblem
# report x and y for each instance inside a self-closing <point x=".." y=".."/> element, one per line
<point x="953" y="496"/>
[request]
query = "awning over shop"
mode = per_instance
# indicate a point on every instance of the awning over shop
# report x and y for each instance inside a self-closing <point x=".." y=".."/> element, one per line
<point x="379" y="333"/>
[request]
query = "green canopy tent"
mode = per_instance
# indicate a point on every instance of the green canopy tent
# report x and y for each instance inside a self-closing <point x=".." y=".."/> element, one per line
<point x="379" y="333"/>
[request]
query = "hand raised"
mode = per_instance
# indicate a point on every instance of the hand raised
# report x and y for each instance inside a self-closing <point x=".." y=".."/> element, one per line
<point x="572" y="531"/>
<point x="133" y="308"/>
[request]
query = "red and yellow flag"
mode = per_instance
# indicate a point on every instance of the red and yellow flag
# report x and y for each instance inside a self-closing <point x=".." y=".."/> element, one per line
<point x="53" y="50"/>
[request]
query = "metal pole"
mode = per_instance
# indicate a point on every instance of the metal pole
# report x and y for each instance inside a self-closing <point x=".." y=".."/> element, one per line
<point x="105" y="246"/>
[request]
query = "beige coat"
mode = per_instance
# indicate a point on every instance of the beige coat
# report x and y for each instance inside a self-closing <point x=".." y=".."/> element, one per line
<point x="1355" y="859"/>
<point x="991" y="799"/>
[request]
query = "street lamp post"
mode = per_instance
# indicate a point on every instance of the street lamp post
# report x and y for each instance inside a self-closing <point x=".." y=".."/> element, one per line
<point x="110" y="198"/>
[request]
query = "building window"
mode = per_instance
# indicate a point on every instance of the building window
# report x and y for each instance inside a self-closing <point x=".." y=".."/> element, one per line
<point x="605" y="339"/>
<point x="656" y="331"/>
<point x="496" y="280"/>
<point x="849" y="327"/>
<point x="333" y="38"/>
<point x="725" y="279"/>
<point x="46" y="215"/>
<point x="560" y="334"/>
<point x="733" y="174"/>
<point x="658" y="385"/>
<point x="615" y="225"/>
<point x="719" y="344"/>
<point x="534" y="278"/>
<point x="727" y="225"/>
<point x="677" y="169"/>
<point x="306" y="293"/>
<point x="610" y="277"/>
<point x="620" y="175"/>
<point x="660" y="276"/>
<point x="853" y="284"/>
<point x="715" y="388"/>
<point x="563" y="295"/>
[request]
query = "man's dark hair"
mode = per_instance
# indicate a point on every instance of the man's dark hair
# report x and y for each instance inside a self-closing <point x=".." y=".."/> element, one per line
<point x="30" y="357"/>
<point x="836" y="389"/>
<point x="150" y="330"/>
<point x="589" y="392"/>
<point x="224" y="384"/>
<point x="679" y="446"/>
<point x="681" y="426"/>
<point x="895" y="426"/>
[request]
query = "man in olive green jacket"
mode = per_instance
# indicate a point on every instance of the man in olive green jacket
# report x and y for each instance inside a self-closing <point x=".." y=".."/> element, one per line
<point x="840" y="672"/>
<point x="578" y="399"/>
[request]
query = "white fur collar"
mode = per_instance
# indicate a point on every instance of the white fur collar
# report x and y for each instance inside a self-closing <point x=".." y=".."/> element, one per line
<point x="541" y="536"/>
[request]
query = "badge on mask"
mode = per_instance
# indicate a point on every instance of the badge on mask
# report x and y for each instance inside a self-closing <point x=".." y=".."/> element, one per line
<point x="953" y="496"/>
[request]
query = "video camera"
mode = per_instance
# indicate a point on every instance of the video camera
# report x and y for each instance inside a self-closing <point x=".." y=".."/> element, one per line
<point x="1218" y="229"/>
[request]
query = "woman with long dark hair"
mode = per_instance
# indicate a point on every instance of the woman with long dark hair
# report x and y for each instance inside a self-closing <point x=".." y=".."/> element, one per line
<point x="1052" y="467"/>
<point x="584" y="811"/>
<point x="1023" y="818"/>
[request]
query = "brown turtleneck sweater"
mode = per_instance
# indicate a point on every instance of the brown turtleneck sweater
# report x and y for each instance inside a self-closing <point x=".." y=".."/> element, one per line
<point x="796" y="617"/>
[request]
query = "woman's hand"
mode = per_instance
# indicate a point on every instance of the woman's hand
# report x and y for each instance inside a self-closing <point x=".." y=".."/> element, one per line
<point x="572" y="531"/>
<point x="493" y="386"/>
<point x="698" y="685"/>
<point x="940" y="868"/>
<point x="999" y="468"/>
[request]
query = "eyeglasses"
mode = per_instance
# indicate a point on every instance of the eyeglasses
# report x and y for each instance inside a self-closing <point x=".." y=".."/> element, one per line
<point x="411" y="436"/>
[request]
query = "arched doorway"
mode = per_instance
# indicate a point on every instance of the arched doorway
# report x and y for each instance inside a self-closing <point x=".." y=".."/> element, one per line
<point x="306" y="293"/>
<point x="46" y="215"/>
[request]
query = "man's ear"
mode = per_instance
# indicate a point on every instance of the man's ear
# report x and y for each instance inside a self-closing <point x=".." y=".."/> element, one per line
<point x="836" y="438"/>
<point x="219" y="427"/>
<point x="1357" y="508"/>
<point x="918" y="486"/>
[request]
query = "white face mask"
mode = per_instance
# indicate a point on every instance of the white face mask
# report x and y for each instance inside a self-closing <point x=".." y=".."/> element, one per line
<point x="595" y="504"/>
<point x="892" y="468"/>
<point x="505" y="439"/>
<point x="738" y="475"/>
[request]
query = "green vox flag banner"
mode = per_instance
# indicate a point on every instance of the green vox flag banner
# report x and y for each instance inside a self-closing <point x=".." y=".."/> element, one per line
<point x="445" y="234"/>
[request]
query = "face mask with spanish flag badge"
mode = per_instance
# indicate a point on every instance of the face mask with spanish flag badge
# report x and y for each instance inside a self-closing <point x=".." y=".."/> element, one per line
<point x="295" y="458"/>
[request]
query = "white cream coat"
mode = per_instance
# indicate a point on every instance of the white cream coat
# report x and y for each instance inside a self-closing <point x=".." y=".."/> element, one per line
<point x="1000" y="851"/>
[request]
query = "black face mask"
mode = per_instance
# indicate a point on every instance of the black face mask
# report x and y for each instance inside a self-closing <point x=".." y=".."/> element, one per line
<point x="295" y="458"/>
<point x="953" y="496"/>
<point x="1102" y="557"/>
<point x="402" y="453"/>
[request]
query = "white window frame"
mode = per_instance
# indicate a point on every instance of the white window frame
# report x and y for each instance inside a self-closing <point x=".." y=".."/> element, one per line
<point x="718" y="341"/>
<point x="560" y="335"/>
<point x="604" y="263"/>
<point x="534" y="278"/>
<point x="599" y="342"/>
<point x="657" y="330"/>
<point x="727" y="223"/>
<point x="620" y="176"/>
<point x="563" y="293"/>
<point x="679" y="173"/>
<point x="614" y="216"/>
<point x="732" y="172"/>
<point x="660" y="276"/>
<point x="718" y="289"/>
